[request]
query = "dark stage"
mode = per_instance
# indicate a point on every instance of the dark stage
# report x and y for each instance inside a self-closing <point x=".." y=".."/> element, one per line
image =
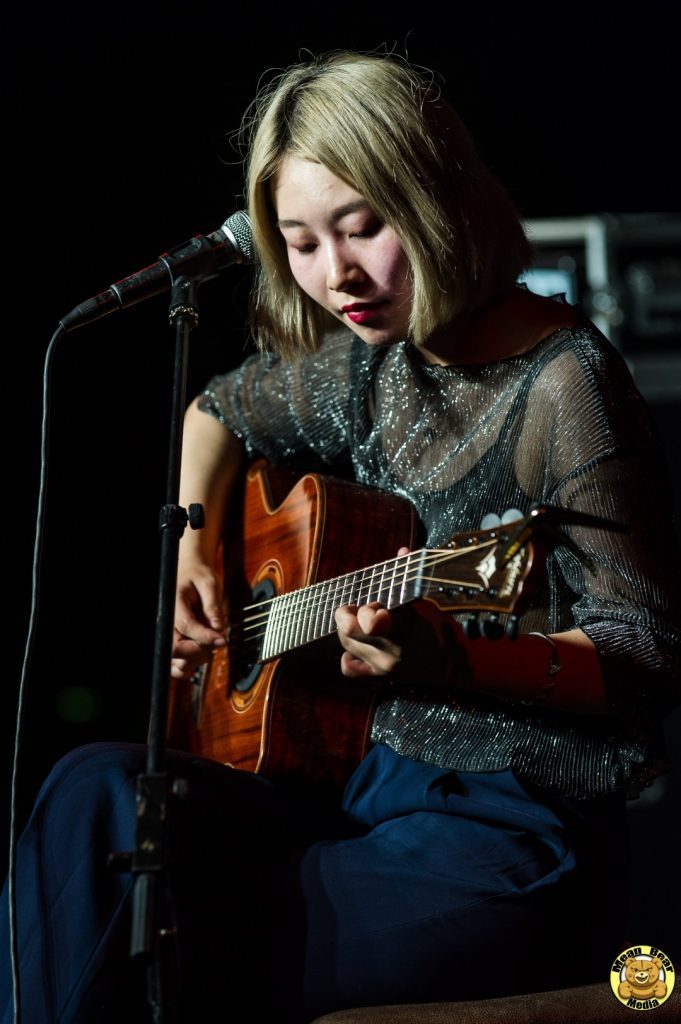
<point x="119" y="142"/>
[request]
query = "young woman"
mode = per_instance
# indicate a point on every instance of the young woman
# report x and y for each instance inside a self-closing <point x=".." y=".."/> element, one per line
<point x="480" y="846"/>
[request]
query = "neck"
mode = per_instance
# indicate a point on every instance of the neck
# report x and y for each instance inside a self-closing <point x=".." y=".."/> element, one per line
<point x="511" y="326"/>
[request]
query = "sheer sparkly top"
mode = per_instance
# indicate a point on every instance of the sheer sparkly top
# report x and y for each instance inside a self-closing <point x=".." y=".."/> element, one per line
<point x="561" y="424"/>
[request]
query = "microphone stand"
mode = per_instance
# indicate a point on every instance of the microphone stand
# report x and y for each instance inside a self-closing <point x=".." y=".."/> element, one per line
<point x="152" y="938"/>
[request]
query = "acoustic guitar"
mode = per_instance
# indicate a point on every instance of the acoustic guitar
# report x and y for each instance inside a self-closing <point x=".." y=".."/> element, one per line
<point x="274" y="700"/>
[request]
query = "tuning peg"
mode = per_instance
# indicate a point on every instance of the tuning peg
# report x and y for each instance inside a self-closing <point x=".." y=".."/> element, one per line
<point x="511" y="515"/>
<point x="471" y="627"/>
<point x="491" y="628"/>
<point x="512" y="627"/>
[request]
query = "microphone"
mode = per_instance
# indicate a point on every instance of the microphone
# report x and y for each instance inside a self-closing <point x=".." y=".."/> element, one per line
<point x="204" y="255"/>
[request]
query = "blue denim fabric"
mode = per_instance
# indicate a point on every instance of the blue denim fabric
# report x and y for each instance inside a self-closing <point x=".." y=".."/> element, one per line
<point x="428" y="885"/>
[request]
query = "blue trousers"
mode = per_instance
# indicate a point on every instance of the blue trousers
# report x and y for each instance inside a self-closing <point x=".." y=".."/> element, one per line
<point x="425" y="885"/>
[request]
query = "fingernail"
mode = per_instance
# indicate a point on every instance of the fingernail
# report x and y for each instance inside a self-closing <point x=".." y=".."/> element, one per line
<point x="215" y="622"/>
<point x="219" y="642"/>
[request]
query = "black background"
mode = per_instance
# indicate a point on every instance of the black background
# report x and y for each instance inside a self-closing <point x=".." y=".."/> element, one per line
<point x="116" y="147"/>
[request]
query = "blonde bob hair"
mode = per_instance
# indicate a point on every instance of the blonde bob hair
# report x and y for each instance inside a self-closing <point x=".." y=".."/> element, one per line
<point x="385" y="130"/>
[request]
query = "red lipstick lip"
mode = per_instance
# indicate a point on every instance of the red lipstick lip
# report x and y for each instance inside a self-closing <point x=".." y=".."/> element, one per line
<point x="359" y="307"/>
<point x="362" y="312"/>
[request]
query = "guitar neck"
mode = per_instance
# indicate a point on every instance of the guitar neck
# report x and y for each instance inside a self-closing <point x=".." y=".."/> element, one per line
<point x="292" y="620"/>
<point x="297" y="618"/>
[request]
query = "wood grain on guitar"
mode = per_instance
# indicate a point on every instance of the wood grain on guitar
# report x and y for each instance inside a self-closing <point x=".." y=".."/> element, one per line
<point x="274" y="700"/>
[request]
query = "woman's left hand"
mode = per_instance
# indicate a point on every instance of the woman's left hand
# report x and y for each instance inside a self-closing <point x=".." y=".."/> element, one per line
<point x="413" y="644"/>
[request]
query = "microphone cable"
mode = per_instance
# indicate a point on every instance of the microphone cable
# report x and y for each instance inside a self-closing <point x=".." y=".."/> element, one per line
<point x="28" y="650"/>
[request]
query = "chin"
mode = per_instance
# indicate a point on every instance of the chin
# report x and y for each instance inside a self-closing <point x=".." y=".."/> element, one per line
<point x="378" y="338"/>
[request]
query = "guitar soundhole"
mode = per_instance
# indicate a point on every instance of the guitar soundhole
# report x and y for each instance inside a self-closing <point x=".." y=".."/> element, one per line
<point x="249" y="651"/>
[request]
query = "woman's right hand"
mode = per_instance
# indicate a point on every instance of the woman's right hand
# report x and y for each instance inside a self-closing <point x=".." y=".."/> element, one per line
<point x="212" y="458"/>
<point x="199" y="618"/>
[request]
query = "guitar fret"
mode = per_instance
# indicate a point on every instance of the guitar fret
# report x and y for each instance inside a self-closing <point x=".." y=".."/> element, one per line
<point x="312" y="613"/>
<point x="280" y="606"/>
<point x="292" y="622"/>
<point x="304" y="610"/>
<point x="320" y="618"/>
<point x="371" y="584"/>
<point x="356" y="589"/>
<point x="363" y="586"/>
<point x="292" y="627"/>
<point x="297" y="621"/>
<point x="286" y="623"/>
<point x="328" y="622"/>
<point x="331" y="605"/>
<point x="390" y="603"/>
<point x="271" y="627"/>
<point x="405" y="577"/>
<point x="345" y="593"/>
<point x="381" y="585"/>
<point x="417" y="587"/>
<point x="287" y="618"/>
<point x="319" y="615"/>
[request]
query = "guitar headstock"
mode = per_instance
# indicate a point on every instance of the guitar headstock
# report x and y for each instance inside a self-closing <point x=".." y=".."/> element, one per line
<point x="496" y="570"/>
<point x="477" y="572"/>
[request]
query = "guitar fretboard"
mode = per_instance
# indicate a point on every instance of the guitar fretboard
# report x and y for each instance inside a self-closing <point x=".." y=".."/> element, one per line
<point x="292" y="620"/>
<point x="305" y="615"/>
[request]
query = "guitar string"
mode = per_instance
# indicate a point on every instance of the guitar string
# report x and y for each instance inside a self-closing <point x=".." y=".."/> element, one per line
<point x="437" y="555"/>
<point x="296" y="613"/>
<point x="385" y="581"/>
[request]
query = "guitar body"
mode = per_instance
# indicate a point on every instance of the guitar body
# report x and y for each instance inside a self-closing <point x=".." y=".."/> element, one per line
<point x="296" y="715"/>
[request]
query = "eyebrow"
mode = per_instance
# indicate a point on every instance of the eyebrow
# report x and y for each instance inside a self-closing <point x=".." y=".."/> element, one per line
<point x="336" y="215"/>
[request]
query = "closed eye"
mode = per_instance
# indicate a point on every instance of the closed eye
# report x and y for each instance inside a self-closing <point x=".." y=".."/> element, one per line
<point x="368" y="232"/>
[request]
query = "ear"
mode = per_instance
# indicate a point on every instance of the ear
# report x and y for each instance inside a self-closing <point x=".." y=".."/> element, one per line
<point x="658" y="963"/>
<point x="629" y="961"/>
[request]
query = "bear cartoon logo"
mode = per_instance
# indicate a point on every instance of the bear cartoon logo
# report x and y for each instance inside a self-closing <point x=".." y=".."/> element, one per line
<point x="642" y="977"/>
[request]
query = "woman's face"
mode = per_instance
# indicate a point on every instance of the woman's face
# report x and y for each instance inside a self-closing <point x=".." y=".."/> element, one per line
<point x="341" y="254"/>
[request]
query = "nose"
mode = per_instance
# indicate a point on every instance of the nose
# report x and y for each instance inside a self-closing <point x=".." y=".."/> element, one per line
<point x="342" y="270"/>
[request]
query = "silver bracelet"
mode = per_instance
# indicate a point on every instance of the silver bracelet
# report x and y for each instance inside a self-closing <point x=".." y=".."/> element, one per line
<point x="554" y="666"/>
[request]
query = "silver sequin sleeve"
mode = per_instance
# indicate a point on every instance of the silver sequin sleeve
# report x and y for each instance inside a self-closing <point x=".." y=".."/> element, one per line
<point x="288" y="412"/>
